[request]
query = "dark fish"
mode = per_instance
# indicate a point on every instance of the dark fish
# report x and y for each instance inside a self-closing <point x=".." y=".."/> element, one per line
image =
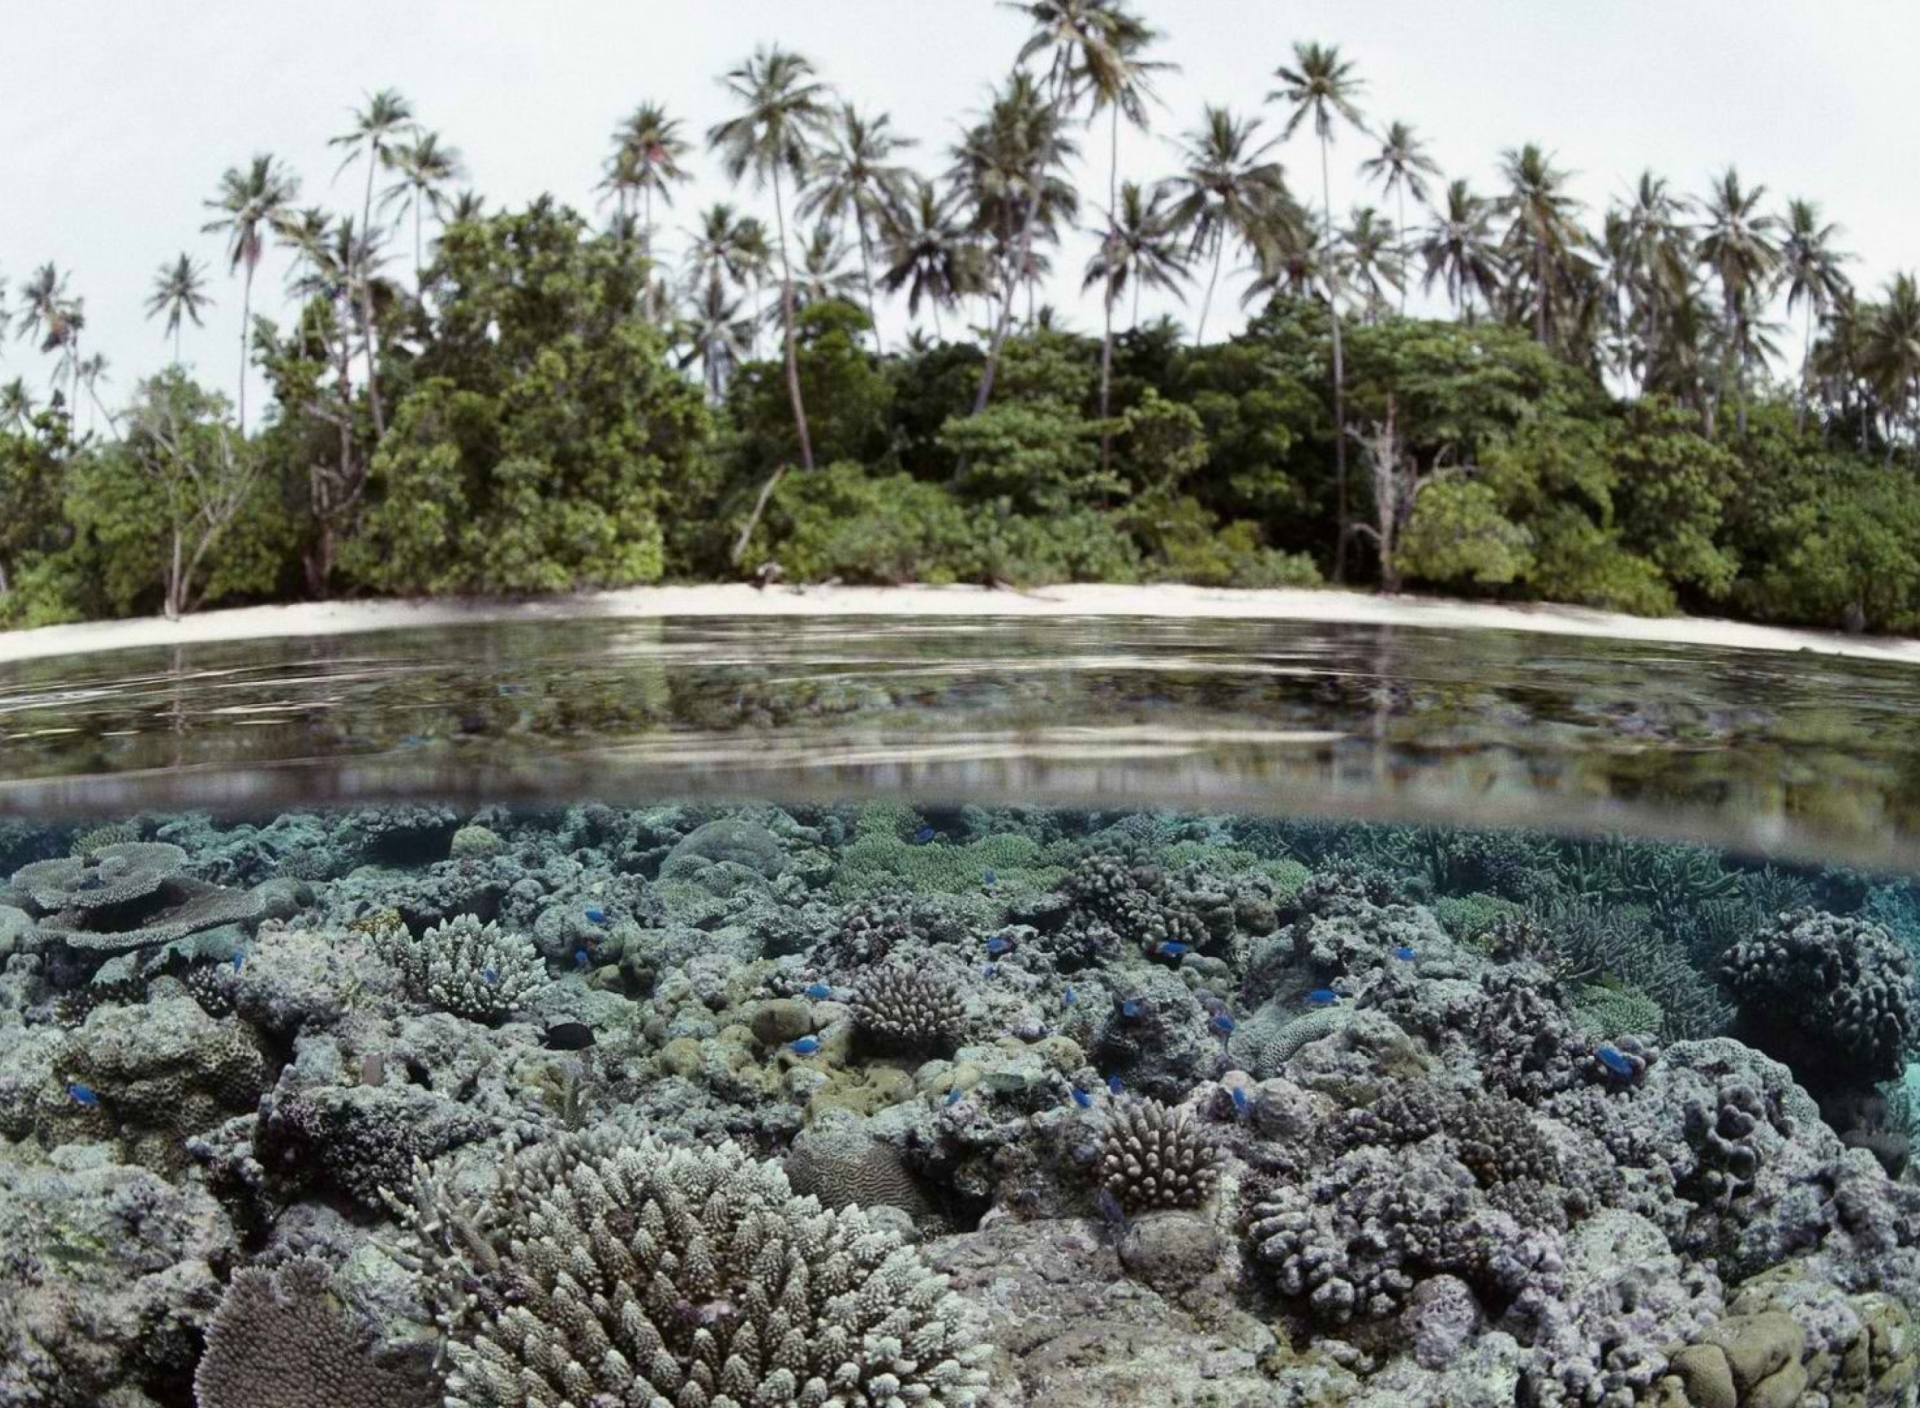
<point x="1323" y="997"/>
<point x="1110" y="1209"/>
<point x="568" y="1036"/>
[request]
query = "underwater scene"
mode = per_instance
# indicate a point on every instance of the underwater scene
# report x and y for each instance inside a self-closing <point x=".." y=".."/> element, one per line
<point x="711" y="1103"/>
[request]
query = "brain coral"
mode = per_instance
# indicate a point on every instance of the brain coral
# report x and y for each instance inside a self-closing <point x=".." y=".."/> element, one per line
<point x="642" y="1274"/>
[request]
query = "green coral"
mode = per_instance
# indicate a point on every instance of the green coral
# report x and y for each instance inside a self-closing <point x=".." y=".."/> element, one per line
<point x="879" y="860"/>
<point x="1467" y="917"/>
<point x="1617" y="1011"/>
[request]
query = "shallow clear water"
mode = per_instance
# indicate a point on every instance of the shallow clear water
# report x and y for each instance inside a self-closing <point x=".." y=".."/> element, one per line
<point x="461" y="1015"/>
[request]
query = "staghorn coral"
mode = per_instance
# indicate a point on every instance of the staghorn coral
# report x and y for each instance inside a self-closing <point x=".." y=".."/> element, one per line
<point x="615" y="1273"/>
<point x="902" y="1009"/>
<point x="478" y="971"/>
<point x="1156" y="1158"/>
<point x="278" y="1342"/>
<point x="1831" y="998"/>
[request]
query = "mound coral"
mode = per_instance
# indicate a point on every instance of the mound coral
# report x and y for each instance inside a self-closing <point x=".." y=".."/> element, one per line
<point x="643" y="1274"/>
<point x="1156" y="1158"/>
<point x="475" y="970"/>
<point x="278" y="1342"/>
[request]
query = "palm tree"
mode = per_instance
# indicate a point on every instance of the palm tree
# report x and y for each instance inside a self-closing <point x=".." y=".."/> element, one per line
<point x="1651" y="247"/>
<point x="647" y="152"/>
<point x="716" y="335"/>
<point x="823" y="275"/>
<point x="53" y="318"/>
<point x="1892" y="351"/>
<point x="855" y="178"/>
<point x="1369" y="253"/>
<point x="465" y="206"/>
<point x="1544" y="235"/>
<point x="1811" y="269"/>
<point x="1401" y="167"/>
<point x="376" y="129"/>
<point x="1738" y="245"/>
<point x="930" y="254"/>
<point x="1142" y="247"/>
<point x="1459" y="250"/>
<point x="729" y="249"/>
<point x="179" y="291"/>
<point x="90" y="372"/>
<point x="1322" y="85"/>
<point x="783" y="110"/>
<point x="1291" y="261"/>
<point x="250" y="203"/>
<point x="1226" y="189"/>
<point x="16" y="405"/>
<point x="342" y="268"/>
<point x="425" y="168"/>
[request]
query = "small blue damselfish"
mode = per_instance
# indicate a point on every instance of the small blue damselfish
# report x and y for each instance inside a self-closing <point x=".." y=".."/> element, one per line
<point x="806" y="1046"/>
<point x="923" y="835"/>
<point x="953" y="1097"/>
<point x="83" y="1095"/>
<point x="239" y="959"/>
<point x="1240" y="1101"/>
<point x="596" y="915"/>
<point x="1223" y="1024"/>
<point x="1615" y="1061"/>
<point x="1082" y="1099"/>
<point x="1404" y="954"/>
<point x="989" y="879"/>
<point x="1129" y="1007"/>
<point x="1114" y="1085"/>
<point x="1068" y="998"/>
<point x="490" y="975"/>
<point x="998" y="945"/>
<point x="817" y="991"/>
<point x="580" y="958"/>
<point x="1323" y="997"/>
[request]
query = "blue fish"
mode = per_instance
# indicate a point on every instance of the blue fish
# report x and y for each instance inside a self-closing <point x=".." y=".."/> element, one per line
<point x="1223" y="1024"/>
<point x="580" y="958"/>
<point x="1173" y="948"/>
<point x="989" y="879"/>
<point x="1114" y="1086"/>
<point x="239" y="960"/>
<point x="923" y="835"/>
<point x="1240" y="1101"/>
<point x="1403" y="953"/>
<point x="953" y="1098"/>
<point x="992" y="970"/>
<point x="1615" y="1061"/>
<point x="806" y="1046"/>
<point x="83" y="1095"/>
<point x="491" y="975"/>
<point x="1068" y="998"/>
<point x="817" y="991"/>
<point x="1323" y="997"/>
<point x="1082" y="1099"/>
<point x="998" y="945"/>
<point x="1110" y="1209"/>
<point x="596" y="915"/>
<point x="1129" y="1007"/>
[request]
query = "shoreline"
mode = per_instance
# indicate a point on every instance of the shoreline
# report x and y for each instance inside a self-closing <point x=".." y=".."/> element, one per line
<point x="1319" y="605"/>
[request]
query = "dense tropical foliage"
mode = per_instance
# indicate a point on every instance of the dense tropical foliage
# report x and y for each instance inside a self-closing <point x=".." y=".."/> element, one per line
<point x="1678" y="402"/>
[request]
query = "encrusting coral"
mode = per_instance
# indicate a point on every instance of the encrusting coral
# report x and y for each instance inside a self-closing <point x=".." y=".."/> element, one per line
<point x="635" y="1273"/>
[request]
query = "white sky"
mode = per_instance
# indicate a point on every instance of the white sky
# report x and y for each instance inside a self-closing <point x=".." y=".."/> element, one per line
<point x="117" y="119"/>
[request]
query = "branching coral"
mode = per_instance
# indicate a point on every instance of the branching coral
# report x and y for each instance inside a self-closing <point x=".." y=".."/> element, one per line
<point x="1156" y="1158"/>
<point x="645" y="1274"/>
<point x="901" y="1009"/>
<point x="478" y="971"/>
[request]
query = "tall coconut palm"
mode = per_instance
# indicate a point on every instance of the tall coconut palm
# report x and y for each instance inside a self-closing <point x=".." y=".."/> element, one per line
<point x="179" y="291"/>
<point x="374" y="135"/>
<point x="1291" y="261"/>
<point x="426" y="169"/>
<point x="1739" y="244"/>
<point x="1892" y="351"/>
<point x="931" y="253"/>
<point x="648" y="149"/>
<point x="1401" y="167"/>
<point x="1369" y="253"/>
<point x="716" y="335"/>
<point x="53" y="319"/>
<point x="1321" y="85"/>
<point x="251" y="202"/>
<point x="783" y="109"/>
<point x="823" y="273"/>
<point x="1650" y="247"/>
<point x="1543" y="235"/>
<point x="16" y="405"/>
<point x="1459" y="251"/>
<point x="856" y="179"/>
<point x="1811" y="268"/>
<point x="1142" y="248"/>
<point x="727" y="248"/>
<point x="1226" y="190"/>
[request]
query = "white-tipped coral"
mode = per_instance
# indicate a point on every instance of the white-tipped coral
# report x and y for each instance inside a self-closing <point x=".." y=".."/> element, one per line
<point x="642" y="1273"/>
<point x="478" y="971"/>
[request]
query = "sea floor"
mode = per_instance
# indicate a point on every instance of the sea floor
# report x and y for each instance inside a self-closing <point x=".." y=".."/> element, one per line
<point x="702" y="1105"/>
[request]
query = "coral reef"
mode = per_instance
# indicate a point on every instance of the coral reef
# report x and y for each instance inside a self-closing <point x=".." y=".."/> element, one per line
<point x="477" y="970"/>
<point x="901" y="1009"/>
<point x="1156" y="1158"/>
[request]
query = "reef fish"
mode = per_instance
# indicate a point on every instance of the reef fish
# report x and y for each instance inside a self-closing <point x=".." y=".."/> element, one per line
<point x="239" y="960"/>
<point x="490" y="975"/>
<point x="1615" y="1061"/>
<point x="1240" y="1101"/>
<point x="817" y="991"/>
<point x="923" y="835"/>
<point x="806" y="1046"/>
<point x="1114" y="1085"/>
<point x="953" y="1098"/>
<point x="1129" y="1007"/>
<point x="1223" y="1024"/>
<point x="568" y="1036"/>
<point x="992" y="970"/>
<point x="1082" y="1099"/>
<point x="1403" y="953"/>
<point x="83" y="1095"/>
<point x="998" y="945"/>
<point x="1068" y="998"/>
<point x="581" y="958"/>
<point x="989" y="879"/>
<point x="1173" y="948"/>
<point x="1323" y="997"/>
<point x="596" y="915"/>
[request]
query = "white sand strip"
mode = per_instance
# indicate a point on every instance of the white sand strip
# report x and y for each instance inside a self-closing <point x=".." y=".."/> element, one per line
<point x="1166" y="602"/>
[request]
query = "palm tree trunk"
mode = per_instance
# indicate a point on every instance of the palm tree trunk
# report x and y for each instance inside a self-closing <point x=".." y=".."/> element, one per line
<point x="246" y="323"/>
<point x="1403" y="250"/>
<point x="372" y="340"/>
<point x="1806" y="366"/>
<point x="1023" y="255"/>
<point x="866" y="270"/>
<point x="1339" y="373"/>
<point x="786" y="317"/>
<point x="1206" y="301"/>
<point x="1106" y="384"/>
<point x="366" y="206"/>
<point x="1540" y="292"/>
<point x="418" y="261"/>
